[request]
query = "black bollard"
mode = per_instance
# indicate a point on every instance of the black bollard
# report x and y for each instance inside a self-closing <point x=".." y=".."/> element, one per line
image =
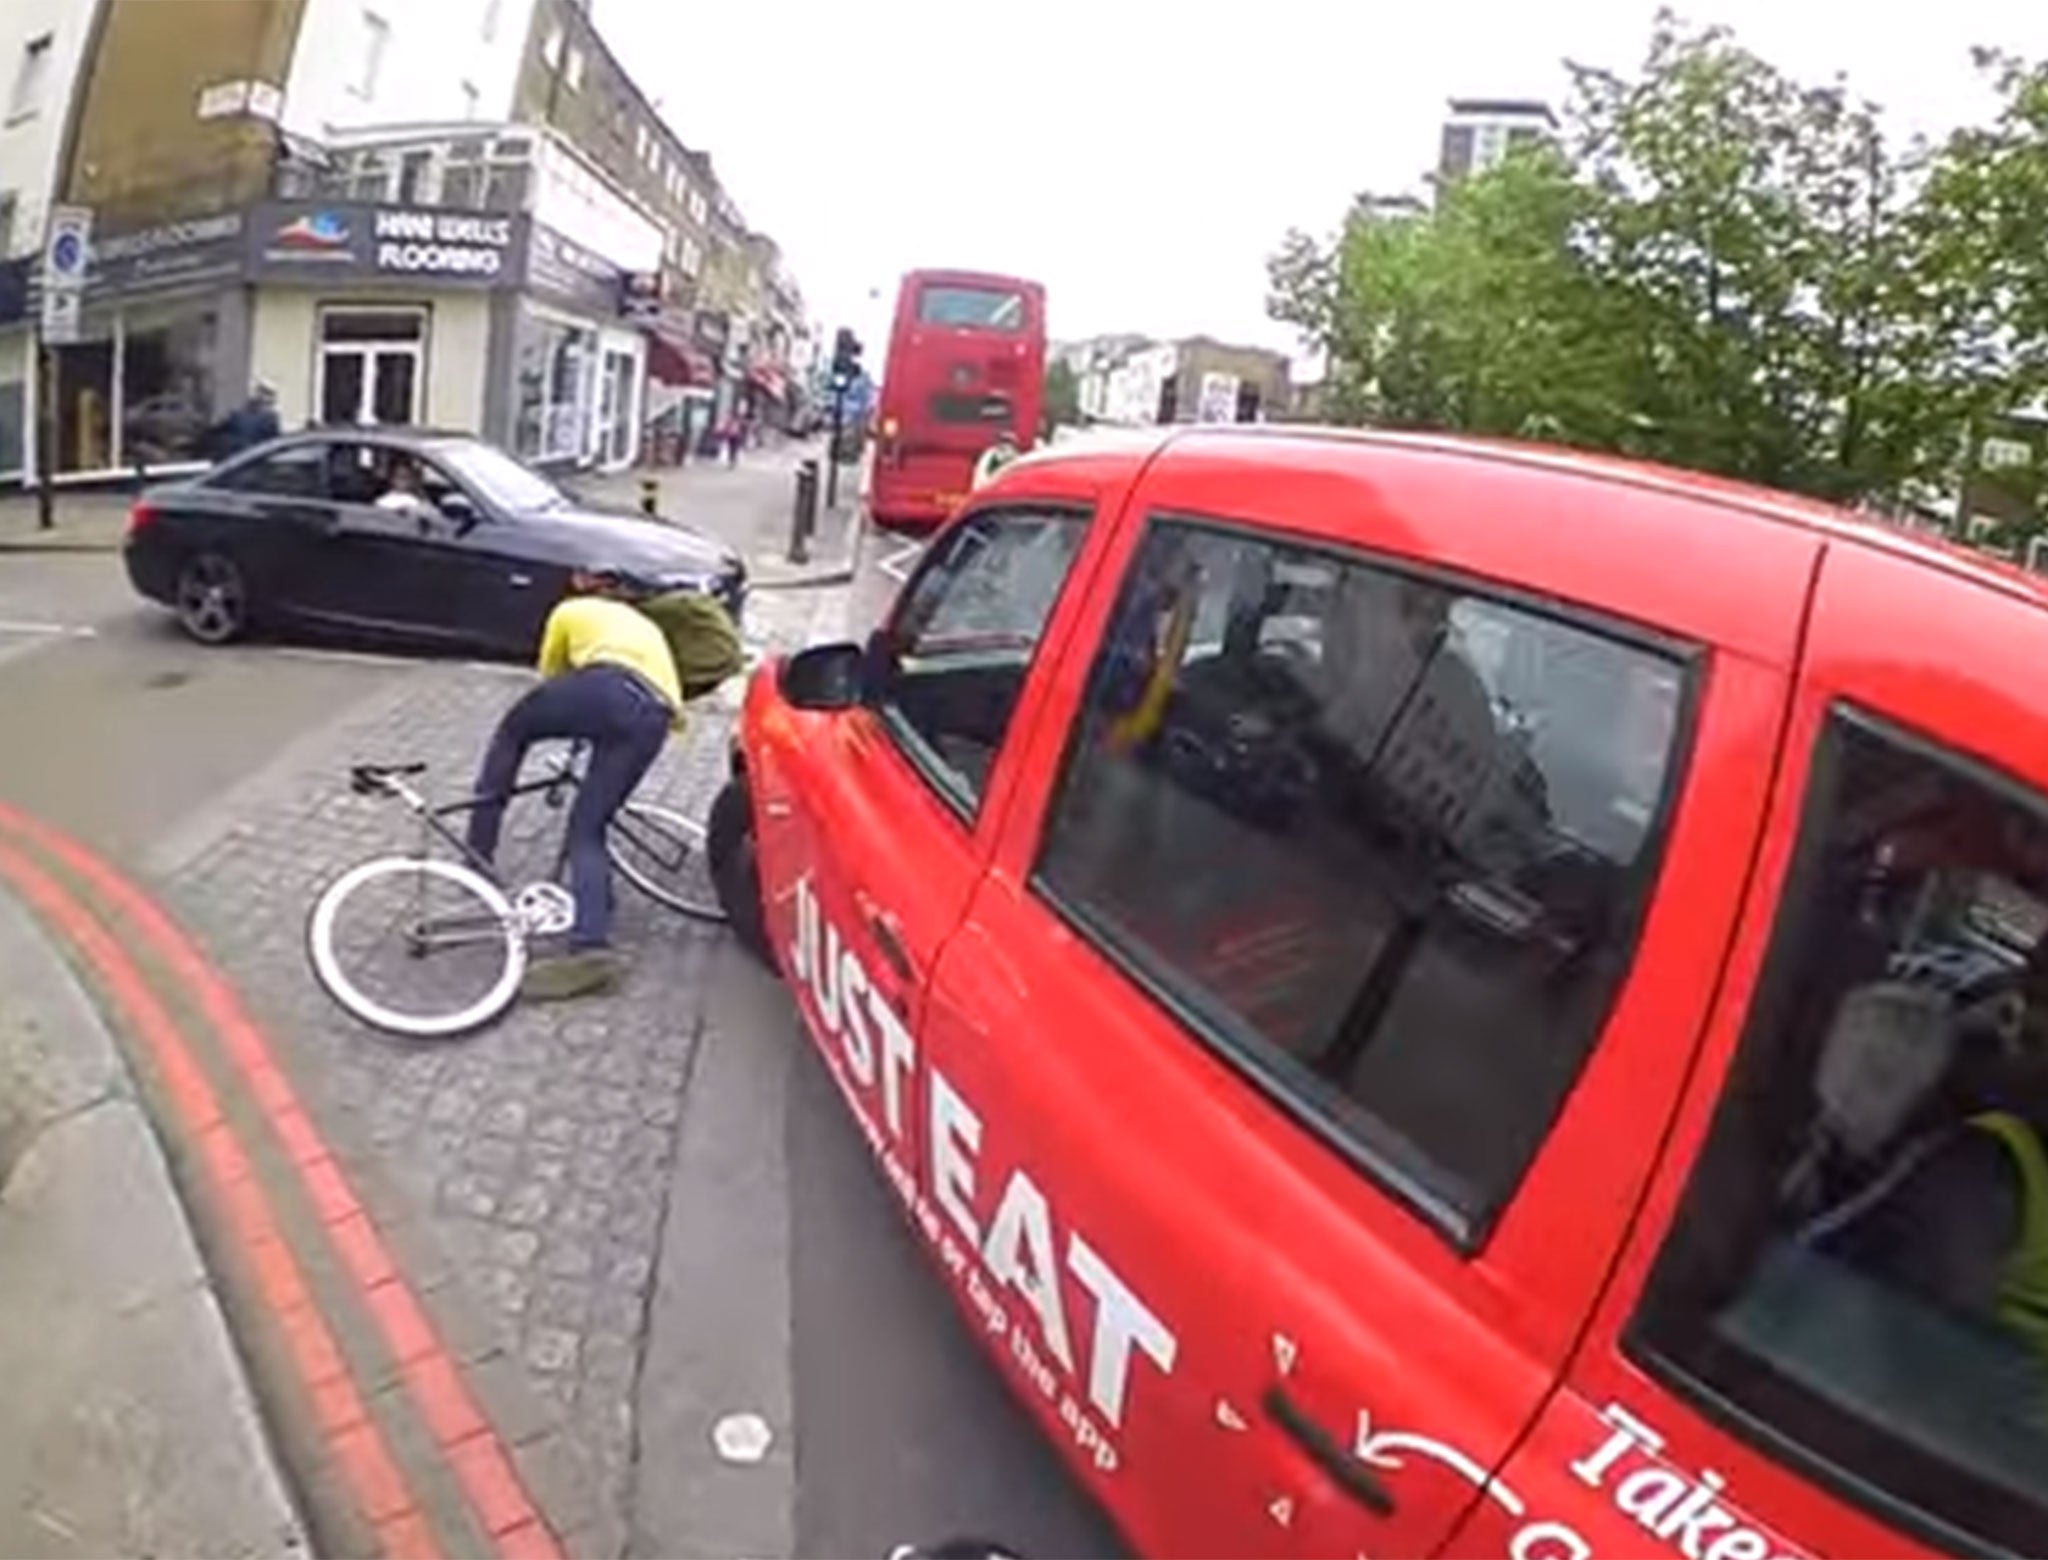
<point x="804" y="520"/>
<point x="650" y="498"/>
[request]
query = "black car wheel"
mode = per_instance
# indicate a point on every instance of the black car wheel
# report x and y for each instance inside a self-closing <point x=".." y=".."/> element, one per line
<point x="735" y="870"/>
<point x="213" y="601"/>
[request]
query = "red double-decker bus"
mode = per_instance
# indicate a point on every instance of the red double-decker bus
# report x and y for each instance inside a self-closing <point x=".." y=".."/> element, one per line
<point x="966" y="363"/>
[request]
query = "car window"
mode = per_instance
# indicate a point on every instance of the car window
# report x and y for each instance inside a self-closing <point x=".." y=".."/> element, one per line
<point x="962" y="639"/>
<point x="297" y="472"/>
<point x="508" y="485"/>
<point x="1859" y="1271"/>
<point x="356" y="473"/>
<point x="1381" y="839"/>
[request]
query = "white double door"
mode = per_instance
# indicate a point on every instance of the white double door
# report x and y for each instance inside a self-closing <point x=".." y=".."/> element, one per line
<point x="371" y="366"/>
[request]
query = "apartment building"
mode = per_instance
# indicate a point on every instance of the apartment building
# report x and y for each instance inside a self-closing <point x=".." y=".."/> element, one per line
<point x="1138" y="382"/>
<point x="1478" y="132"/>
<point x="461" y="213"/>
<point x="571" y="82"/>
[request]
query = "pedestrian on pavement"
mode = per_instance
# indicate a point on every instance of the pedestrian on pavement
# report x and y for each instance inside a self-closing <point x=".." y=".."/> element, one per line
<point x="731" y="433"/>
<point x="610" y="681"/>
<point x="249" y="424"/>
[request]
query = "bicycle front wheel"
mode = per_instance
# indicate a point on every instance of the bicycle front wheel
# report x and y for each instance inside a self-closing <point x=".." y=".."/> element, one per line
<point x="416" y="946"/>
<point x="661" y="852"/>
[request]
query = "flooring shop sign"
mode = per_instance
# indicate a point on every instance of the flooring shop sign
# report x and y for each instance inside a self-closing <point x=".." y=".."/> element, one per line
<point x="442" y="243"/>
<point x="473" y="249"/>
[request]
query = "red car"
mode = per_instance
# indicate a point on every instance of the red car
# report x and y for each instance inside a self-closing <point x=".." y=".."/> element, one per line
<point x="1442" y="998"/>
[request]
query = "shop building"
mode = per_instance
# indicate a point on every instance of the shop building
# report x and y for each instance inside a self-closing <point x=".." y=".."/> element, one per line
<point x="310" y="193"/>
<point x="164" y="325"/>
<point x="493" y="321"/>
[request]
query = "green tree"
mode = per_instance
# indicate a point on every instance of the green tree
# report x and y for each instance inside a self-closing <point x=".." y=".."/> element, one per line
<point x="1719" y="266"/>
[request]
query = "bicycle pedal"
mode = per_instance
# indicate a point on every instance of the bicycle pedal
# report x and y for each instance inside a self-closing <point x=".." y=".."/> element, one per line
<point x="544" y="909"/>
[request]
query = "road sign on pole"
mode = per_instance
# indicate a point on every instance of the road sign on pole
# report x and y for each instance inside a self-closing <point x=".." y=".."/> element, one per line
<point x="67" y="251"/>
<point x="67" y="247"/>
<point x="60" y="317"/>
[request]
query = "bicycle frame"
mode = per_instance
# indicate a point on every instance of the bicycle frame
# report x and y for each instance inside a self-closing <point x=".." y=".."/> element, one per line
<point x="566" y="774"/>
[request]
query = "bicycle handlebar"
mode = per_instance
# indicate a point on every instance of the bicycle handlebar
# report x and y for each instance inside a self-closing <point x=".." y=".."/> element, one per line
<point x="386" y="779"/>
<point x="369" y="779"/>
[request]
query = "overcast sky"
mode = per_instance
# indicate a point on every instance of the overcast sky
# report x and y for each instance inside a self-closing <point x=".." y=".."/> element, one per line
<point x="1142" y="158"/>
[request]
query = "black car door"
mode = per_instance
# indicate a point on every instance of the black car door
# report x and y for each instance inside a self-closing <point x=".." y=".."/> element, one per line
<point x="275" y="517"/>
<point x="497" y="584"/>
<point x="383" y="568"/>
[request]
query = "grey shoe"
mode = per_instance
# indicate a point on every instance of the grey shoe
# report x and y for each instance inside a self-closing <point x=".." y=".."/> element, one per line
<point x="560" y="976"/>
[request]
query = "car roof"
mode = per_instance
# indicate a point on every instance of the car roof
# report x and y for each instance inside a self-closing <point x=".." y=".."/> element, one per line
<point x="397" y="436"/>
<point x="1114" y="453"/>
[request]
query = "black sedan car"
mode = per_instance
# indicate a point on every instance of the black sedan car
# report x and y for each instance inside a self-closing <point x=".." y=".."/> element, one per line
<point x="437" y="538"/>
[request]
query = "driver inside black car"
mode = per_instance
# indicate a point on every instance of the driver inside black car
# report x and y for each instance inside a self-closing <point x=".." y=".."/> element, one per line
<point x="405" y="491"/>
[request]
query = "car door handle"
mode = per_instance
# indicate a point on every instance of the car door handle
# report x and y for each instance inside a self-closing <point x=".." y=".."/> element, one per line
<point x="521" y="581"/>
<point x="1327" y="1453"/>
<point x="889" y="943"/>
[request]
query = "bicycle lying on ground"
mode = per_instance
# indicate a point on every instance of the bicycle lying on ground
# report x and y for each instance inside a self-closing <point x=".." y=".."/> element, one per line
<point x="455" y="916"/>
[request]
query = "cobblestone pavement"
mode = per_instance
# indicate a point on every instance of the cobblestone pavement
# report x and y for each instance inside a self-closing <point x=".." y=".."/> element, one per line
<point x="520" y="1172"/>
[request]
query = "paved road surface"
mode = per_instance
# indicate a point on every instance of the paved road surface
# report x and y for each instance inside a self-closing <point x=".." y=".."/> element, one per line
<point x="213" y="771"/>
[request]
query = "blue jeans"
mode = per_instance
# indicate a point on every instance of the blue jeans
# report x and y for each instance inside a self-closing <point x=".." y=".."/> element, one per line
<point x="625" y="722"/>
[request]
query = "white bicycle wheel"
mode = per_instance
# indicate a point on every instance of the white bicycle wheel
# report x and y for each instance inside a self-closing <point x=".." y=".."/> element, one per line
<point x="661" y="852"/>
<point x="445" y="915"/>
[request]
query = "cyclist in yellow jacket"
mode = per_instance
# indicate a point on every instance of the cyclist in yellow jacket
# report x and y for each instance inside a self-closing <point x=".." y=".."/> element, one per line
<point x="609" y="680"/>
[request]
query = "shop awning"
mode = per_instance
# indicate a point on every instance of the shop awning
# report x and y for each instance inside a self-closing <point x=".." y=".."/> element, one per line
<point x="674" y="361"/>
<point x="768" y="378"/>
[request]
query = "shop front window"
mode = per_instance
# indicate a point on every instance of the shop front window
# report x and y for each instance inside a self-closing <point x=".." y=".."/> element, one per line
<point x="84" y="406"/>
<point x="554" y="390"/>
<point x="168" y="394"/>
<point x="13" y="402"/>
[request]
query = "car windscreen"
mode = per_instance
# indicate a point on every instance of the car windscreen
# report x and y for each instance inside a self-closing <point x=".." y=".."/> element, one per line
<point x="501" y="479"/>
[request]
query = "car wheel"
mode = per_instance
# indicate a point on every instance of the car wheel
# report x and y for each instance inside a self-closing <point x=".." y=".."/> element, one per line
<point x="736" y="871"/>
<point x="213" y="599"/>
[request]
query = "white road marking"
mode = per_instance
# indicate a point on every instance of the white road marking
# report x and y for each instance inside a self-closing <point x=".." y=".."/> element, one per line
<point x="379" y="659"/>
<point x="345" y="657"/>
<point x="900" y="562"/>
<point x="50" y="630"/>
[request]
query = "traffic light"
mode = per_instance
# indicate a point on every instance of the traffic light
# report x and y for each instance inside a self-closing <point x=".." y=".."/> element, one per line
<point x="845" y="357"/>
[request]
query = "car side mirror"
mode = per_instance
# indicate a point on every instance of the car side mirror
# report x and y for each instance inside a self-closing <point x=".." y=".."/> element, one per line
<point x="457" y="509"/>
<point x="824" y="677"/>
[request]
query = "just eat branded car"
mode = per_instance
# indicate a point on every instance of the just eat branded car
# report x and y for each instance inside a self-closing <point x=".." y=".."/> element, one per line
<point x="311" y="529"/>
<point x="1443" y="998"/>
